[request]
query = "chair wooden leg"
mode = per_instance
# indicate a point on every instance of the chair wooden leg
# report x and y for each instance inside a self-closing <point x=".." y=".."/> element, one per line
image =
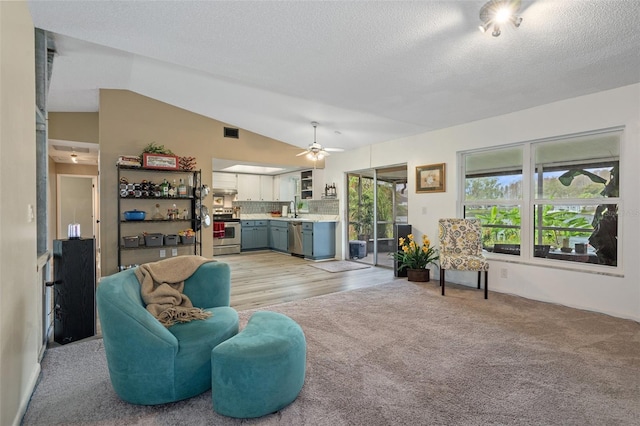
<point x="486" y="284"/>
<point x="479" y="275"/>
<point x="442" y="280"/>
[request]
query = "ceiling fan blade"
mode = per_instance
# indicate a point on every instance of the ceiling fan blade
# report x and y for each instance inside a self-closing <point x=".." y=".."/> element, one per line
<point x="334" y="149"/>
<point x="306" y="151"/>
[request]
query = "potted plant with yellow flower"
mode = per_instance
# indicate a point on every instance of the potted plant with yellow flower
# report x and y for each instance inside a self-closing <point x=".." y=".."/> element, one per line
<point x="415" y="257"/>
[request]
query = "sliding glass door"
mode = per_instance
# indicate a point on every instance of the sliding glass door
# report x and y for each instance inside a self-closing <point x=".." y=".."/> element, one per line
<point x="376" y="202"/>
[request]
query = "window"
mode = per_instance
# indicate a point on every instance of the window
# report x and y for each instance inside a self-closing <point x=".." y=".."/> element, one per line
<point x="555" y="199"/>
<point x="493" y="194"/>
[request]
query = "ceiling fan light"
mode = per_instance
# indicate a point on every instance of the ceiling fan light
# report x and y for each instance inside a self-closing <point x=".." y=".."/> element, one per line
<point x="503" y="14"/>
<point x="499" y="12"/>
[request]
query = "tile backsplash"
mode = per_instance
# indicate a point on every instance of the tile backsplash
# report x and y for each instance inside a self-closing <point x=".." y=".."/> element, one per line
<point x="321" y="207"/>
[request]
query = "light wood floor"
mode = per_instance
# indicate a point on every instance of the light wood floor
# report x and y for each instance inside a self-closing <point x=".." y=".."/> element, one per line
<point x="267" y="278"/>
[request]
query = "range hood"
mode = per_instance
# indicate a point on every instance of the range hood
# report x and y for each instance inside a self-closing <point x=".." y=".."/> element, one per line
<point x="224" y="191"/>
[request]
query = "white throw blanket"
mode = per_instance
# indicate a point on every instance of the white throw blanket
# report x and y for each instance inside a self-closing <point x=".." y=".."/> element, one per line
<point x="162" y="285"/>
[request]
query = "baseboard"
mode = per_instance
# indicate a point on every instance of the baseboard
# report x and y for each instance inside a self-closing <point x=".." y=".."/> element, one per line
<point x="26" y="397"/>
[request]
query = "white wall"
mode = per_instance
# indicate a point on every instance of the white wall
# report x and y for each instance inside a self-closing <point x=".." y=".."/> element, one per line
<point x="619" y="296"/>
<point x="20" y="293"/>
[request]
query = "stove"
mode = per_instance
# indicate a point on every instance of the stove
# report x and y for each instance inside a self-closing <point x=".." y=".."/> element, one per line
<point x="226" y="232"/>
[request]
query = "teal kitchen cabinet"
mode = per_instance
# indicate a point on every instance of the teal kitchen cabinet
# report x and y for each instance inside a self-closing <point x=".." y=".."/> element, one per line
<point x="279" y="235"/>
<point x="255" y="235"/>
<point x="319" y="240"/>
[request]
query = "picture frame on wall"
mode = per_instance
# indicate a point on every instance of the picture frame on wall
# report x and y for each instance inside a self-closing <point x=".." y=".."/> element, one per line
<point x="431" y="178"/>
<point x="160" y="161"/>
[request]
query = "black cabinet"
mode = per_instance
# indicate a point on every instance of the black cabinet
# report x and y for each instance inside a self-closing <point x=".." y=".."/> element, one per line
<point x="400" y="231"/>
<point x="74" y="263"/>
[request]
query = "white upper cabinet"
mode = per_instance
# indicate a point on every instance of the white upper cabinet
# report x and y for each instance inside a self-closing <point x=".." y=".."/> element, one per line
<point x="266" y="188"/>
<point x="255" y="187"/>
<point x="248" y="187"/>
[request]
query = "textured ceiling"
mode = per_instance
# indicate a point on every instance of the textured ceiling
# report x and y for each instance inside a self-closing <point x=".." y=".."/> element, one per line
<point x="366" y="71"/>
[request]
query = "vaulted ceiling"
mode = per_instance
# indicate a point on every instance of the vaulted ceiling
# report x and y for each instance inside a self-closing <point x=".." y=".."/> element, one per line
<point x="366" y="71"/>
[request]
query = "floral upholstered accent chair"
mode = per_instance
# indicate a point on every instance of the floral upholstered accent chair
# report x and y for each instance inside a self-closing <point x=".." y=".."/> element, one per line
<point x="461" y="249"/>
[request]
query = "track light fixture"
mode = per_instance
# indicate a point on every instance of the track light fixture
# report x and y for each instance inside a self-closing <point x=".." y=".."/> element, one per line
<point x="497" y="13"/>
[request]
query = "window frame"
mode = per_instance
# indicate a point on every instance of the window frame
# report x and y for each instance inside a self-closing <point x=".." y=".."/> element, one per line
<point x="529" y="202"/>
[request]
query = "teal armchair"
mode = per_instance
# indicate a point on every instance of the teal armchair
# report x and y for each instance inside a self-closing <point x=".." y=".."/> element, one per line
<point x="150" y="364"/>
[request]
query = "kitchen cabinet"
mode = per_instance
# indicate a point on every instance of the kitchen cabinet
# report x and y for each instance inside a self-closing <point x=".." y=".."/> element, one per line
<point x="139" y="189"/>
<point x="255" y="187"/>
<point x="319" y="240"/>
<point x="255" y="235"/>
<point x="279" y="235"/>
<point x="248" y="187"/>
<point x="312" y="184"/>
<point x="266" y="188"/>
<point x="306" y="185"/>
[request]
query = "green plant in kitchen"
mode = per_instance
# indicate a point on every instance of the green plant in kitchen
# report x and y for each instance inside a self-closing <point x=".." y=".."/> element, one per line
<point x="152" y="148"/>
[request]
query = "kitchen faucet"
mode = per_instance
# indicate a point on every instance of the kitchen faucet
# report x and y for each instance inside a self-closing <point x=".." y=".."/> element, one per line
<point x="295" y="206"/>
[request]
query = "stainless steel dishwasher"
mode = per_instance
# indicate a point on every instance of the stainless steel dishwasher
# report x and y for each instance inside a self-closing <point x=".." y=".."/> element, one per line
<point x="295" y="239"/>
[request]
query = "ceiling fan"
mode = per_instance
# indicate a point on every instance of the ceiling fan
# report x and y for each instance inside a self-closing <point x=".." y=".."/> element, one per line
<point x="315" y="151"/>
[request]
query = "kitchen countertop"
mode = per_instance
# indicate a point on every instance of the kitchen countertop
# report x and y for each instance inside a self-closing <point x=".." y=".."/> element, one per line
<point x="304" y="218"/>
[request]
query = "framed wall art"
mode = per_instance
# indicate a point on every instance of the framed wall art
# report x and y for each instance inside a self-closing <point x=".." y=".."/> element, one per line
<point x="431" y="178"/>
<point x="159" y="161"/>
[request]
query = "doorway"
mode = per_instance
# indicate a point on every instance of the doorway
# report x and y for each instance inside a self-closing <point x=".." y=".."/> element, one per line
<point x="377" y="201"/>
<point x="76" y="204"/>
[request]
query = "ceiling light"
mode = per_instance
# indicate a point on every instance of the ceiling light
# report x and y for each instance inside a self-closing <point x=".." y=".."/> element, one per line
<point x="74" y="158"/>
<point x="252" y="169"/>
<point x="497" y="12"/>
<point x="316" y="152"/>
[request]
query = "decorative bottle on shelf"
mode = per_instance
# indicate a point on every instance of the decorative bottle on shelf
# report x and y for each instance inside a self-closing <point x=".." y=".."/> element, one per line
<point x="182" y="189"/>
<point x="173" y="189"/>
<point x="164" y="187"/>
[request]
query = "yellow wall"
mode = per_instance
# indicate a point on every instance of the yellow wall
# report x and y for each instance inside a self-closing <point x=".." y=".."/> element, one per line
<point x="20" y="292"/>
<point x="129" y="121"/>
<point x="74" y="126"/>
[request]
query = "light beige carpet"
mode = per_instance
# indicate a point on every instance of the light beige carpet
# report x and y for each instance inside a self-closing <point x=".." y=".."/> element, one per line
<point x="339" y="266"/>
<point x="401" y="354"/>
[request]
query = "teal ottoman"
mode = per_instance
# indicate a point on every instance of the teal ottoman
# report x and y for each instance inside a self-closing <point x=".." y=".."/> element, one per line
<point x="259" y="370"/>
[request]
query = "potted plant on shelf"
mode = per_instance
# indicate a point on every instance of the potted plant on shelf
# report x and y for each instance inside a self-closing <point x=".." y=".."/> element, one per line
<point x="415" y="257"/>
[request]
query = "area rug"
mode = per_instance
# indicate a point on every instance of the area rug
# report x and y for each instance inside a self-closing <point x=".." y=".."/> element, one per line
<point x="339" y="266"/>
<point x="401" y="354"/>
